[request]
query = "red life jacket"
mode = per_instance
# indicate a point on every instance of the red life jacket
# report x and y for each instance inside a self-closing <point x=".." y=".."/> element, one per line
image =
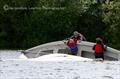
<point x="98" y="48"/>
<point x="71" y="43"/>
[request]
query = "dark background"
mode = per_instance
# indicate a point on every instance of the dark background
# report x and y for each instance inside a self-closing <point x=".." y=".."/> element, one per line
<point x="22" y="29"/>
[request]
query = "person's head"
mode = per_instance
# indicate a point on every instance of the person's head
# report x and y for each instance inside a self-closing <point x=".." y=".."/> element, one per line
<point x="75" y="33"/>
<point x="98" y="40"/>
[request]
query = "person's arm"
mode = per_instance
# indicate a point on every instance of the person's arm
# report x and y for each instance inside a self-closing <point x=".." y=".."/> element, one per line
<point x="82" y="38"/>
<point x="71" y="37"/>
<point x="93" y="47"/>
<point x="104" y="47"/>
<point x="64" y="41"/>
<point x="78" y="39"/>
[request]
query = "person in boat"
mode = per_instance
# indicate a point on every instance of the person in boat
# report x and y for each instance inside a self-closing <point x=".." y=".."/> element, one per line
<point x="99" y="49"/>
<point x="72" y="46"/>
<point x="78" y="36"/>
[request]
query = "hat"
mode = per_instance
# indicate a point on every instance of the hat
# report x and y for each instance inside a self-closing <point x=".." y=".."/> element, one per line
<point x="98" y="39"/>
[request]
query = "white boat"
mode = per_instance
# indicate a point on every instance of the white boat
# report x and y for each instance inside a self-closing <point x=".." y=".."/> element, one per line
<point x="84" y="50"/>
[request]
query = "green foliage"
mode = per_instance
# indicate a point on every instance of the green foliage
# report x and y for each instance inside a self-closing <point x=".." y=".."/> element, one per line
<point x="112" y="20"/>
<point x="42" y="21"/>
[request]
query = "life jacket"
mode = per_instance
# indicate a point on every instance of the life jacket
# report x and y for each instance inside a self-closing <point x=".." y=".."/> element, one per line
<point x="71" y="43"/>
<point x="99" y="48"/>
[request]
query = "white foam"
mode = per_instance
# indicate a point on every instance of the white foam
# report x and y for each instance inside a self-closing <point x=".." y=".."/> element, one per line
<point x="60" y="57"/>
<point x="11" y="54"/>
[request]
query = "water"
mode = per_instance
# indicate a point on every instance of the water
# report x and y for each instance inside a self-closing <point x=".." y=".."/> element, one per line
<point x="11" y="54"/>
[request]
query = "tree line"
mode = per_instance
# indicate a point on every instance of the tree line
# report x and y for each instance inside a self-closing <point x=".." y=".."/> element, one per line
<point x="27" y="23"/>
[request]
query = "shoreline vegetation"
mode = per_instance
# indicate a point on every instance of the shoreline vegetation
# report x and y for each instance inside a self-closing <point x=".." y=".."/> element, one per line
<point x="56" y="20"/>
